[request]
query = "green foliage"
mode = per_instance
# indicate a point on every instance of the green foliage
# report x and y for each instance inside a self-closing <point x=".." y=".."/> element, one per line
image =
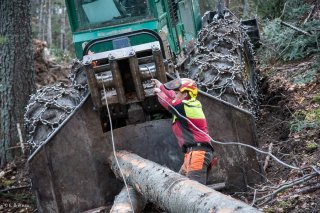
<point x="306" y="77"/>
<point x="7" y="183"/>
<point x="316" y="98"/>
<point x="284" y="204"/>
<point x="305" y="120"/>
<point x="295" y="9"/>
<point x="282" y="42"/>
<point x="61" y="56"/>
<point x="311" y="146"/>
<point x="269" y="8"/>
<point x="310" y="75"/>
<point x="3" y="40"/>
<point x="299" y="125"/>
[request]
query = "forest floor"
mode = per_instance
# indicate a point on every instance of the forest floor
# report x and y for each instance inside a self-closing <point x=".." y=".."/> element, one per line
<point x="288" y="126"/>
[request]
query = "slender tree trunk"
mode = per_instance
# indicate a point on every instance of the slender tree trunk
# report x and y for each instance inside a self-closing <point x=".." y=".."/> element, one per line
<point x="245" y="8"/>
<point x="44" y="18"/>
<point x="226" y="3"/>
<point x="16" y="73"/>
<point x="172" y="191"/>
<point x="63" y="29"/>
<point x="49" y="29"/>
<point x="40" y="34"/>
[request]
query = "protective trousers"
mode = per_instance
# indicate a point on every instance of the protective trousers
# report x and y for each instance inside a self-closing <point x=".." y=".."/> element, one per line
<point x="195" y="165"/>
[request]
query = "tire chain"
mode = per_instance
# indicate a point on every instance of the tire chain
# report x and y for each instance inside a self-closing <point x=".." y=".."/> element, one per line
<point x="217" y="64"/>
<point x="51" y="105"/>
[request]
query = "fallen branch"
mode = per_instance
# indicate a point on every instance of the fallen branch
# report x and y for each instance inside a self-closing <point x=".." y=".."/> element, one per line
<point x="304" y="191"/>
<point x="284" y="186"/>
<point x="15" y="188"/>
<point x="13" y="147"/>
<point x="20" y="137"/>
<point x="296" y="28"/>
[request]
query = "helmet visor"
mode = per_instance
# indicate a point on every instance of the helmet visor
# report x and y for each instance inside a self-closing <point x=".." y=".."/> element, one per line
<point x="173" y="85"/>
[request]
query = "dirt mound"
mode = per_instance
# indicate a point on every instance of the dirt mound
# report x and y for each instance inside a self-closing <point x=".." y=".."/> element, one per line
<point x="47" y="71"/>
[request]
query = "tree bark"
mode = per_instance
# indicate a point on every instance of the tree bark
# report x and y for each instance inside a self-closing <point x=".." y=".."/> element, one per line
<point x="171" y="191"/>
<point x="122" y="202"/>
<point x="16" y="73"/>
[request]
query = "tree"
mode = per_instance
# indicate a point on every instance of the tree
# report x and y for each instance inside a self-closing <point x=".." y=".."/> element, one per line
<point x="49" y="29"/>
<point x="16" y="73"/>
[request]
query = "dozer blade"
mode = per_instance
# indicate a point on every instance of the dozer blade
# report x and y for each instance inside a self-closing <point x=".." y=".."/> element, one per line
<point x="70" y="172"/>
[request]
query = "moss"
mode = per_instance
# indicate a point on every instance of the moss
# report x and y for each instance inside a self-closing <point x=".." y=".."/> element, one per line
<point x="317" y="117"/>
<point x="284" y="204"/>
<point x="7" y="183"/>
<point x="316" y="98"/>
<point x="311" y="146"/>
<point x="3" y="40"/>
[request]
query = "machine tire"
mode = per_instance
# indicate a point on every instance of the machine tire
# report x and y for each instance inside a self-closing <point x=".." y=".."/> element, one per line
<point x="47" y="109"/>
<point x="51" y="105"/>
<point x="223" y="63"/>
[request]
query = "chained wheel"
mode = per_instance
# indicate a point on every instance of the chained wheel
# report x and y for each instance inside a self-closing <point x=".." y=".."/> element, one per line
<point x="51" y="105"/>
<point x="223" y="64"/>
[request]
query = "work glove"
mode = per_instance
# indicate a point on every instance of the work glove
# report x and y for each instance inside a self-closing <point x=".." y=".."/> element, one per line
<point x="156" y="83"/>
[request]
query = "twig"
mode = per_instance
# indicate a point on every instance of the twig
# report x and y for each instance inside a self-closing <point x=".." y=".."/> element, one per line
<point x="304" y="190"/>
<point x="309" y="189"/>
<point x="20" y="137"/>
<point x="296" y="28"/>
<point x="13" y="147"/>
<point x="284" y="8"/>
<point x="268" y="157"/>
<point x="309" y="15"/>
<point x="15" y="188"/>
<point x="269" y="106"/>
<point x="254" y="197"/>
<point x="316" y="169"/>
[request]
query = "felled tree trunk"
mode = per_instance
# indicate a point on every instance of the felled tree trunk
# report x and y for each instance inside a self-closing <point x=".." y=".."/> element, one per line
<point x="172" y="191"/>
<point x="122" y="202"/>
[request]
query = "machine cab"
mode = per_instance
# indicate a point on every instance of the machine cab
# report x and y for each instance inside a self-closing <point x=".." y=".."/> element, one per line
<point x="170" y="19"/>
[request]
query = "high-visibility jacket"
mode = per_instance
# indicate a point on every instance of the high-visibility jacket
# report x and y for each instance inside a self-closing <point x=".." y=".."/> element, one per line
<point x="185" y="132"/>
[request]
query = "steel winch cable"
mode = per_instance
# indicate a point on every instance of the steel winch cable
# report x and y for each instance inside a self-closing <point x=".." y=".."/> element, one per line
<point x="114" y="148"/>
<point x="229" y="143"/>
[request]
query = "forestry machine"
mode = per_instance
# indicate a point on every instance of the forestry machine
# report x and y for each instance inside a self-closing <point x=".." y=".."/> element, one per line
<point x="120" y="46"/>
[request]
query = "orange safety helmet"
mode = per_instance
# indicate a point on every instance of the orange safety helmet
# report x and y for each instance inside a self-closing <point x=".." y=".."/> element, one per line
<point x="183" y="84"/>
